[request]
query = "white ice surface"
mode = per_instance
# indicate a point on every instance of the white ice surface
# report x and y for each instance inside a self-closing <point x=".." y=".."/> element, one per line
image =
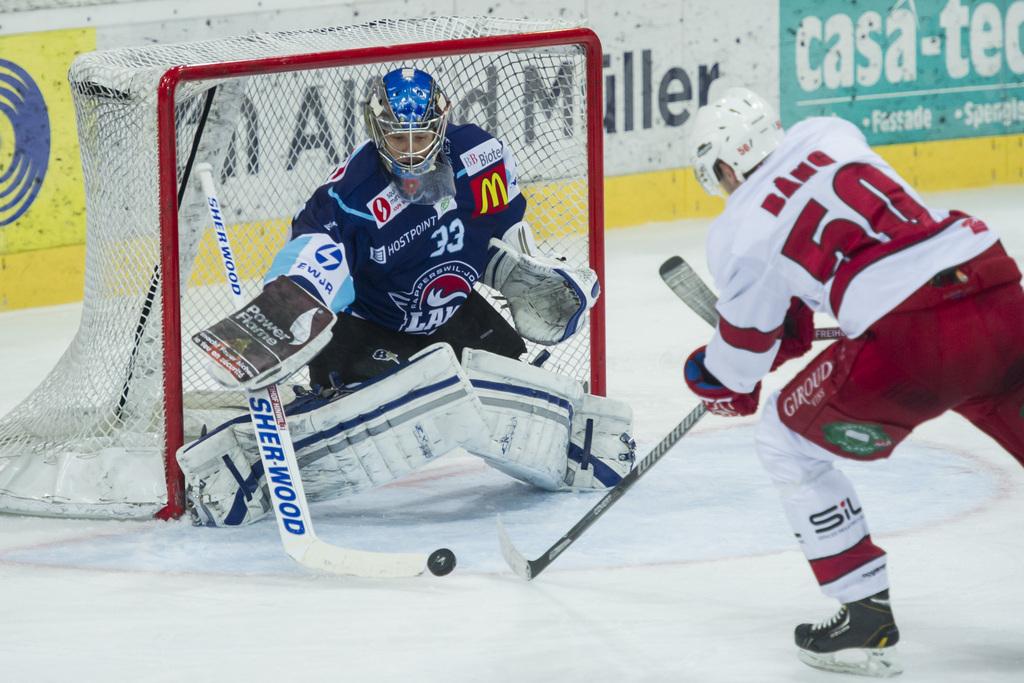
<point x="693" y="576"/>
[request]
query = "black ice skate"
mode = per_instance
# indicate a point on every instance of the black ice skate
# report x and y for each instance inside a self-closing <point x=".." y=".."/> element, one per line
<point x="858" y="639"/>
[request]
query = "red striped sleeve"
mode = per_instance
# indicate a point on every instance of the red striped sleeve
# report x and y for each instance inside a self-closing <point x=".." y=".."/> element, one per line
<point x="835" y="567"/>
<point x="748" y="338"/>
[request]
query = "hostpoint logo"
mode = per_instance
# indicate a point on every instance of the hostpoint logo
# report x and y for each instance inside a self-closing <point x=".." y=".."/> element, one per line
<point x="24" y="141"/>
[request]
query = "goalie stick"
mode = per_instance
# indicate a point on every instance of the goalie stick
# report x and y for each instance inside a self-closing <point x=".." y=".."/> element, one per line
<point x="288" y="498"/>
<point x="528" y="569"/>
<point x="690" y="287"/>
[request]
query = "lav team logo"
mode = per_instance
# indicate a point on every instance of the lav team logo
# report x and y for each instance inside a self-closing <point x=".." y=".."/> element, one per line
<point x="24" y="141"/>
<point x="435" y="296"/>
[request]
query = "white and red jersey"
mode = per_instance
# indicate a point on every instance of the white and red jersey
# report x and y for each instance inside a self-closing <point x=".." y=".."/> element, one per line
<point x="827" y="220"/>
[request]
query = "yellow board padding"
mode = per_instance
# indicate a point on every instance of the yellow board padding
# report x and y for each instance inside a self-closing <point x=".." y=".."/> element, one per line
<point x="956" y="164"/>
<point x="253" y="245"/>
<point x="42" y="278"/>
<point x="656" y="196"/>
<point x="56" y="217"/>
<point x="557" y="209"/>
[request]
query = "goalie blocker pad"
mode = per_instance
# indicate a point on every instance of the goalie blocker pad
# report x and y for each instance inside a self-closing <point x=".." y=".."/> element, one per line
<point x="548" y="299"/>
<point x="269" y="339"/>
<point x="385" y="429"/>
<point x="545" y="430"/>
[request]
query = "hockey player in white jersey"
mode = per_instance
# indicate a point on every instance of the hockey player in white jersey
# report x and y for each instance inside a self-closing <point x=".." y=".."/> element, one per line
<point x="933" y="313"/>
<point x="393" y="244"/>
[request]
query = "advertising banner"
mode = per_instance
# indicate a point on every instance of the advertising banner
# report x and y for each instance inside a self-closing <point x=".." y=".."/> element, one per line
<point x="904" y="70"/>
<point x="42" y="198"/>
<point x="42" y="202"/>
<point x="665" y="59"/>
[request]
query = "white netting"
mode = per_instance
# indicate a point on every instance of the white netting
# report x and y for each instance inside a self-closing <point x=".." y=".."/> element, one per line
<point x="90" y="441"/>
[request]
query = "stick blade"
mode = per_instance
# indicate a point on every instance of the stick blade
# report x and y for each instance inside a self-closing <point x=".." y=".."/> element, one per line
<point x="331" y="559"/>
<point x="690" y="287"/>
<point x="519" y="564"/>
<point x="670" y="265"/>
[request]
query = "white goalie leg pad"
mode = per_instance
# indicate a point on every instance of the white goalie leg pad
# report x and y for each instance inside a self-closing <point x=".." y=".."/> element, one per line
<point x="529" y="411"/>
<point x="385" y="429"/>
<point x="546" y="431"/>
<point x="224" y="482"/>
<point x="601" y="450"/>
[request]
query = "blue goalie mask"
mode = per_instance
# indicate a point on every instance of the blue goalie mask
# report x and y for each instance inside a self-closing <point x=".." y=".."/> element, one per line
<point x="406" y="115"/>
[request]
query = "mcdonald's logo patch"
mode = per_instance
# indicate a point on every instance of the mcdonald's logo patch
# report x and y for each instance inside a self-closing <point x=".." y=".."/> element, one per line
<point x="490" y="191"/>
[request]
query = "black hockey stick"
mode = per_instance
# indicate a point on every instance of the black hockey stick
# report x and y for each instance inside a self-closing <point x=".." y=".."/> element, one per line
<point x="529" y="569"/>
<point x="154" y="280"/>
<point x="690" y="287"/>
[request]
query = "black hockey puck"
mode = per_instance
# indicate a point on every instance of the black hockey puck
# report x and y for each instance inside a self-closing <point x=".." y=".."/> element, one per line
<point x="441" y="562"/>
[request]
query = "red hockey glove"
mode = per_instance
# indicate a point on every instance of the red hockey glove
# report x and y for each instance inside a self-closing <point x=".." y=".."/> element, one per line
<point x="797" y="332"/>
<point x="717" y="398"/>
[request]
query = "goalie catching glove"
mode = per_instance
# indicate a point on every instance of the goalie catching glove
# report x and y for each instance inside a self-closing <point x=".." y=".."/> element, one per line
<point x="269" y="339"/>
<point x="548" y="299"/>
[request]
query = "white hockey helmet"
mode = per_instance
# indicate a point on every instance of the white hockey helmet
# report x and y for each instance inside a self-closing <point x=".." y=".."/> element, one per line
<point x="740" y="128"/>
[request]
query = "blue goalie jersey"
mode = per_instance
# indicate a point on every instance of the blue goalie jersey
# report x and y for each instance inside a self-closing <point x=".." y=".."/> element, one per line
<point x="365" y="250"/>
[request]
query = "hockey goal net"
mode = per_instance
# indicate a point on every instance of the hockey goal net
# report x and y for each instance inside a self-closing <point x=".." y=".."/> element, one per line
<point x="274" y="114"/>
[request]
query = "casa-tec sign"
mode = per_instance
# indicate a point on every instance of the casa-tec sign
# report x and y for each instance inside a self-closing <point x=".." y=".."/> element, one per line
<point x="904" y="70"/>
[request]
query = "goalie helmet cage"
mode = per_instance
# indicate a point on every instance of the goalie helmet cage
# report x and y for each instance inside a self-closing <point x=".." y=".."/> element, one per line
<point x="274" y="114"/>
